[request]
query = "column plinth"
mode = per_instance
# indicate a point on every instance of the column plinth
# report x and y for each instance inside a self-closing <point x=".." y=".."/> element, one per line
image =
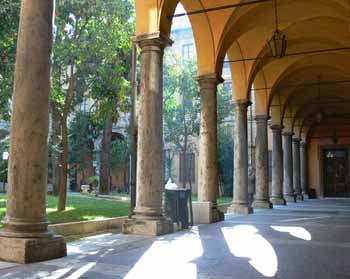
<point x="304" y="170"/>
<point x="25" y="237"/>
<point x="148" y="216"/>
<point x="296" y="169"/>
<point x="240" y="204"/>
<point x="261" y="199"/>
<point x="288" y="191"/>
<point x="277" y="166"/>
<point x="208" y="186"/>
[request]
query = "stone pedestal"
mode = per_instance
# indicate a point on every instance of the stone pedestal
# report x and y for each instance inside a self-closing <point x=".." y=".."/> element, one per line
<point x="206" y="213"/>
<point x="25" y="236"/>
<point x="148" y="216"/>
<point x="277" y="166"/>
<point x="240" y="204"/>
<point x="296" y="169"/>
<point x="148" y="227"/>
<point x="208" y="186"/>
<point x="288" y="191"/>
<point x="29" y="250"/>
<point x="304" y="171"/>
<point x="261" y="199"/>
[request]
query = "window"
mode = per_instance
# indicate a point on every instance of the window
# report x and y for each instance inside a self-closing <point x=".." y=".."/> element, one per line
<point x="187" y="169"/>
<point x="188" y="51"/>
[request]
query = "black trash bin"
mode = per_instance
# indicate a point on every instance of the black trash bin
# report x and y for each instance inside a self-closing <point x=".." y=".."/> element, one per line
<point x="176" y="206"/>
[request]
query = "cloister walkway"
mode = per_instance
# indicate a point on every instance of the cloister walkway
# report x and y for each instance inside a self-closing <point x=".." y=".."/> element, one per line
<point x="304" y="240"/>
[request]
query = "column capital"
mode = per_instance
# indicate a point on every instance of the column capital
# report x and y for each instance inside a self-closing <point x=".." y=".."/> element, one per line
<point x="156" y="39"/>
<point x="288" y="134"/>
<point x="296" y="140"/>
<point x="242" y="104"/>
<point x="209" y="81"/>
<point x="261" y="118"/>
<point x="276" y="127"/>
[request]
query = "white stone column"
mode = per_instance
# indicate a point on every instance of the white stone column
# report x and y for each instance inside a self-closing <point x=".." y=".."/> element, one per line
<point x="304" y="170"/>
<point x="296" y="169"/>
<point x="240" y="203"/>
<point x="288" y="191"/>
<point x="148" y="216"/>
<point x="261" y="199"/>
<point x="25" y="237"/>
<point x="205" y="210"/>
<point x="277" y="166"/>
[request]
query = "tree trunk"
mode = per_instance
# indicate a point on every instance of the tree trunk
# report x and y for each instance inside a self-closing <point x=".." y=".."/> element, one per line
<point x="64" y="168"/>
<point x="56" y="148"/>
<point x="105" y="178"/>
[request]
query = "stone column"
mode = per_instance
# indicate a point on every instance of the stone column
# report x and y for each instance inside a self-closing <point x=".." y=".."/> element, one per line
<point x="205" y="210"/>
<point x="288" y="191"/>
<point x="240" y="203"/>
<point x="25" y="237"/>
<point x="261" y="199"/>
<point x="277" y="166"/>
<point x="304" y="170"/>
<point x="148" y="216"/>
<point x="296" y="169"/>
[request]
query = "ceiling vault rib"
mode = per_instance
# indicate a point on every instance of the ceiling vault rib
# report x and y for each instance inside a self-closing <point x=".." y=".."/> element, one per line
<point x="290" y="54"/>
<point x="219" y="8"/>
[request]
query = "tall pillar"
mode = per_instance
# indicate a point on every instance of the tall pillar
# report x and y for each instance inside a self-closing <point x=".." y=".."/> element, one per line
<point x="148" y="217"/>
<point x="205" y="210"/>
<point x="25" y="237"/>
<point x="288" y="190"/>
<point x="304" y="170"/>
<point x="277" y="166"/>
<point x="261" y="199"/>
<point x="240" y="203"/>
<point x="296" y="169"/>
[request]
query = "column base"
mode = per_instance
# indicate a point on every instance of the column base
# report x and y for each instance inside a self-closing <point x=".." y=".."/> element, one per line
<point x="148" y="227"/>
<point x="278" y="201"/>
<point x="306" y="196"/>
<point x="30" y="250"/>
<point x="239" y="209"/>
<point x="290" y="198"/>
<point x="262" y="204"/>
<point x="299" y="197"/>
<point x="206" y="213"/>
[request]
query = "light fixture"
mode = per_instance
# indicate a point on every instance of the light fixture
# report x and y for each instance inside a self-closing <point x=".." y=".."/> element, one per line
<point x="278" y="42"/>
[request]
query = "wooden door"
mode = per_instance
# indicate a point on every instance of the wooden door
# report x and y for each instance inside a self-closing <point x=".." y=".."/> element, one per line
<point x="336" y="173"/>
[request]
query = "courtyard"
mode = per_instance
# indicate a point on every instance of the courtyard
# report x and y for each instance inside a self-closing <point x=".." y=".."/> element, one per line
<point x="303" y="240"/>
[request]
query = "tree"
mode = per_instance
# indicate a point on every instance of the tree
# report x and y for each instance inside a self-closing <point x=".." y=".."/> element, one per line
<point x="90" y="53"/>
<point x="181" y="108"/>
<point x="9" y="20"/>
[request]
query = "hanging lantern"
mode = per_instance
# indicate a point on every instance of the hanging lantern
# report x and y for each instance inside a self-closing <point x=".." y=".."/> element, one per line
<point x="278" y="44"/>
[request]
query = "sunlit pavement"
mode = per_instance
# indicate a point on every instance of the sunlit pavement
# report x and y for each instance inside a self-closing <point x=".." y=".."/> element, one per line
<point x="304" y="240"/>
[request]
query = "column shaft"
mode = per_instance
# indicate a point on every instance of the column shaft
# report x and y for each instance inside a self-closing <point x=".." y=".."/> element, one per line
<point x="25" y="237"/>
<point x="150" y="131"/>
<point x="261" y="199"/>
<point x="277" y="166"/>
<point x="205" y="210"/>
<point x="296" y="169"/>
<point x="148" y="216"/>
<point x="240" y="203"/>
<point x="288" y="168"/>
<point x="26" y="206"/>
<point x="304" y="170"/>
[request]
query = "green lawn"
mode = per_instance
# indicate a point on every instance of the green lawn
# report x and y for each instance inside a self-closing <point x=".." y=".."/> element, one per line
<point x="87" y="208"/>
<point x="79" y="209"/>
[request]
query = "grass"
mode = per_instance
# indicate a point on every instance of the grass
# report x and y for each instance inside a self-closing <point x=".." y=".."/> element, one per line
<point x="87" y="208"/>
<point x="79" y="209"/>
<point x="220" y="201"/>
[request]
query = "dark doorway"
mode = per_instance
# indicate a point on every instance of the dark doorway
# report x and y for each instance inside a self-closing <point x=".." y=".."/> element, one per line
<point x="336" y="173"/>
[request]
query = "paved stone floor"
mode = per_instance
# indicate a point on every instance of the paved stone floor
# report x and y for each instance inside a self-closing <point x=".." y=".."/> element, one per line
<point x="306" y="240"/>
